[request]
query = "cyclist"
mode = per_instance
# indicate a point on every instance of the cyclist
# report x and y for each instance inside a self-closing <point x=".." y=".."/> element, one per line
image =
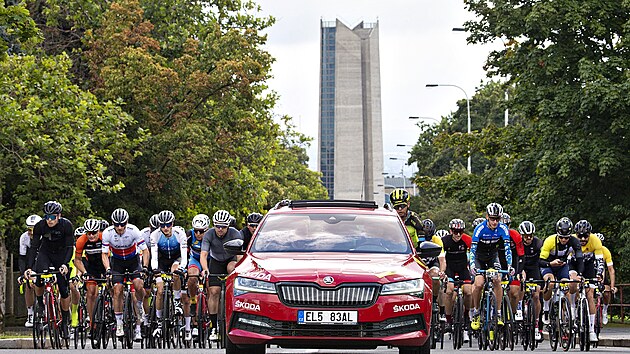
<point x="484" y="255"/>
<point x="456" y="246"/>
<point x="25" y="250"/>
<point x="554" y="257"/>
<point x="531" y="266"/>
<point x="88" y="260"/>
<point x="400" y="202"/>
<point x="253" y="220"/>
<point x="220" y="262"/>
<point x="200" y="224"/>
<point x="52" y="245"/>
<point x="74" y="292"/>
<point x="104" y="225"/>
<point x="516" y="247"/>
<point x="169" y="252"/>
<point x="124" y="240"/>
<point x="593" y="258"/>
<point x="609" y="282"/>
<point x="441" y="233"/>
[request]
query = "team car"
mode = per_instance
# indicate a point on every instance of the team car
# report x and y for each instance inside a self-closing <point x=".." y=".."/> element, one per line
<point x="329" y="274"/>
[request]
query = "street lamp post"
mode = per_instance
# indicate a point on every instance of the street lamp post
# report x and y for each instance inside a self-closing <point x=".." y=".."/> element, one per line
<point x="468" y="111"/>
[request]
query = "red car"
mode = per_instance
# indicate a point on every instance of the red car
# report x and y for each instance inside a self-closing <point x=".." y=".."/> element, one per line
<point x="329" y="274"/>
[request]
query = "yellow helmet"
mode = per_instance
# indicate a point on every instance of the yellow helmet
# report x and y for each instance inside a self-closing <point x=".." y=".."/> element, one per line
<point x="399" y="196"/>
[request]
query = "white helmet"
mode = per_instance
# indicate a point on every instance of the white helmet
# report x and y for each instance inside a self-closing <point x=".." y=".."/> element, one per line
<point x="79" y="231"/>
<point x="92" y="225"/>
<point x="222" y="218"/>
<point x="154" y="221"/>
<point x="32" y="220"/>
<point x="494" y="210"/>
<point x="201" y="222"/>
<point x="166" y="217"/>
<point x="527" y="228"/>
<point x="120" y="216"/>
<point x="441" y="233"/>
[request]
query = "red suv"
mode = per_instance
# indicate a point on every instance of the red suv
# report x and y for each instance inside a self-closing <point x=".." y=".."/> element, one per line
<point x="329" y="274"/>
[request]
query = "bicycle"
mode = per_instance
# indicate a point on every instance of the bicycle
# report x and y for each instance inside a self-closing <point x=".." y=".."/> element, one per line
<point x="488" y="311"/>
<point x="560" y="324"/>
<point x="458" y="313"/>
<point x="129" y="309"/>
<point x="103" y="324"/>
<point x="50" y="319"/>
<point x="170" y="335"/>
<point x="598" y="297"/>
<point x="80" y="332"/>
<point x="203" y="323"/>
<point x="527" y="326"/>
<point x="506" y="332"/>
<point x="221" y="322"/>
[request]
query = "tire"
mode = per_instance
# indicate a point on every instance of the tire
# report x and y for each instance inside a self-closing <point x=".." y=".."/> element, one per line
<point x="221" y="318"/>
<point x="493" y="327"/>
<point x="583" y="323"/>
<point x="202" y="319"/>
<point x="97" y="320"/>
<point x="531" y="320"/>
<point x="424" y="349"/>
<point x="231" y="348"/>
<point x="458" y="323"/>
<point x="565" y="324"/>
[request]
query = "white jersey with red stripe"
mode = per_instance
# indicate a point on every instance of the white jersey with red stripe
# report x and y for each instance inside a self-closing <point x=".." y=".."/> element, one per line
<point x="123" y="246"/>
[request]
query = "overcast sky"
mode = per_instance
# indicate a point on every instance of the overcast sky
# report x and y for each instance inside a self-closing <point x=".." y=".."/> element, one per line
<point x="417" y="47"/>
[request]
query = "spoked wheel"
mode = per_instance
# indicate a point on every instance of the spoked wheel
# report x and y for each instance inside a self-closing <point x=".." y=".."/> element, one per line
<point x="493" y="327"/>
<point x="435" y="319"/>
<point x="598" y="321"/>
<point x="458" y="323"/>
<point x="583" y="330"/>
<point x="531" y="329"/>
<point x="565" y="324"/>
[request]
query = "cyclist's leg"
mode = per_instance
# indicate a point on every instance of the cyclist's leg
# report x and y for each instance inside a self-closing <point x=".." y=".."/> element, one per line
<point x="191" y="295"/>
<point x="177" y="282"/>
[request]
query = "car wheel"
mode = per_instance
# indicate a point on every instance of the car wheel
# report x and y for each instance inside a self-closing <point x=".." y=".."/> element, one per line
<point x="424" y="349"/>
<point x="231" y="348"/>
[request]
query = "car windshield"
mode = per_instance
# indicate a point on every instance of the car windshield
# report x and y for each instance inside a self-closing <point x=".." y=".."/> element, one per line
<point x="331" y="232"/>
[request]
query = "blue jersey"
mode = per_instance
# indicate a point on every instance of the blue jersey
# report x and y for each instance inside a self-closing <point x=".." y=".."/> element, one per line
<point x="194" y="245"/>
<point x="485" y="242"/>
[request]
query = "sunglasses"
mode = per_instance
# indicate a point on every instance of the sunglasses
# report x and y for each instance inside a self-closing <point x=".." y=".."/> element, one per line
<point x="400" y="207"/>
<point x="584" y="236"/>
<point x="50" y="216"/>
<point x="494" y="219"/>
<point x="199" y="232"/>
<point x="168" y="224"/>
<point x="120" y="224"/>
<point x="220" y="226"/>
<point x="91" y="233"/>
<point x="457" y="231"/>
<point x="252" y="225"/>
<point x="564" y="237"/>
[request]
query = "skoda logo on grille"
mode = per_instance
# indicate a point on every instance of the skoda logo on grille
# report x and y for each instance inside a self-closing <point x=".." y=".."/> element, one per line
<point x="328" y="280"/>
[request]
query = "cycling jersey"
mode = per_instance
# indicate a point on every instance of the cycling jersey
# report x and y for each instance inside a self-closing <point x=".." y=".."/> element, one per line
<point x="593" y="256"/>
<point x="516" y="247"/>
<point x="485" y="243"/>
<point x="553" y="249"/>
<point x="213" y="244"/>
<point x="57" y="240"/>
<point x="90" y="251"/>
<point x="125" y="246"/>
<point x="247" y="237"/>
<point x="25" y="249"/>
<point x="607" y="256"/>
<point x="456" y="252"/>
<point x="194" y="245"/>
<point x="414" y="227"/>
<point x="169" y="247"/>
<point x="532" y="253"/>
<point x="146" y="235"/>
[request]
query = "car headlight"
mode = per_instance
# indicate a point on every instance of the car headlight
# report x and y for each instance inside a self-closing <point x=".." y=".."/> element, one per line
<point x="248" y="285"/>
<point x="414" y="287"/>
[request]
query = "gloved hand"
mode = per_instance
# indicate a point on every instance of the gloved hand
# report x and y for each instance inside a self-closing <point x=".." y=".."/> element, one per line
<point x="63" y="269"/>
<point x="108" y="273"/>
<point x="473" y="270"/>
<point x="511" y="270"/>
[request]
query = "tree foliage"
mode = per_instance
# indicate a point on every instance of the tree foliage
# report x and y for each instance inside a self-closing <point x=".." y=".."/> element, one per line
<point x="567" y="66"/>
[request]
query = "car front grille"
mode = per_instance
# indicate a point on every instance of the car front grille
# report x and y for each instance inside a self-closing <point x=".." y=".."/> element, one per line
<point x="312" y="295"/>
<point x="267" y="326"/>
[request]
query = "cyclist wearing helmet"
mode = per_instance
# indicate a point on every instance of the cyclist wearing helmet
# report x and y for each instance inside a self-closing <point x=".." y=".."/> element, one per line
<point x="88" y="260"/>
<point x="200" y="224"/>
<point x="400" y="202"/>
<point x="125" y="241"/>
<point x="104" y="225"/>
<point x="220" y="262"/>
<point x="25" y="250"/>
<point x="593" y="258"/>
<point x="52" y="244"/>
<point x="484" y="255"/>
<point x="531" y="266"/>
<point x="169" y="252"/>
<point x="516" y="247"/>
<point x="477" y="221"/>
<point x="456" y="246"/>
<point x="253" y="220"/>
<point x="148" y="283"/>
<point x="609" y="281"/>
<point x="554" y="259"/>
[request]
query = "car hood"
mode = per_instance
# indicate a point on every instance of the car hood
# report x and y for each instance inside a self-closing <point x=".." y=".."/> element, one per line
<point x="286" y="267"/>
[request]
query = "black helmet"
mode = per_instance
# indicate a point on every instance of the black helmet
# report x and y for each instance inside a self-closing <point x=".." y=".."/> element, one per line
<point x="564" y="226"/>
<point x="583" y="227"/>
<point x="506" y="219"/>
<point x="52" y="207"/>
<point x="429" y="228"/>
<point x="254" y="218"/>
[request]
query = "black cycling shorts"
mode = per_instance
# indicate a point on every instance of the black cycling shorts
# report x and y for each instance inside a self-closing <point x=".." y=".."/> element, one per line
<point x="487" y="263"/>
<point x="165" y="264"/>
<point x="217" y="267"/>
<point x="44" y="261"/>
<point x="121" y="266"/>
<point x="532" y="273"/>
<point x="460" y="270"/>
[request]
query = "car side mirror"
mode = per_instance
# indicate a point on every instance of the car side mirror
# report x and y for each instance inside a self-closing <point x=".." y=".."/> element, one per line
<point x="234" y="247"/>
<point x="428" y="249"/>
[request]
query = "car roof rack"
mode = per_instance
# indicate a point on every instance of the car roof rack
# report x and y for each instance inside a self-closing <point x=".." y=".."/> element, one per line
<point x="335" y="203"/>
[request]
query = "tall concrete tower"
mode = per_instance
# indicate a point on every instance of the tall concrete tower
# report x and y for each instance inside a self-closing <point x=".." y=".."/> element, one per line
<point x="350" y="131"/>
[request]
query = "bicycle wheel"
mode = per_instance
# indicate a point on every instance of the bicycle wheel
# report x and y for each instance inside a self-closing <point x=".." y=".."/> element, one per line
<point x="435" y="319"/>
<point x="492" y="321"/>
<point x="554" y="326"/>
<point x="482" y="341"/>
<point x="129" y="321"/>
<point x="507" y="332"/>
<point x="583" y="326"/>
<point x="97" y="321"/>
<point x="565" y="324"/>
<point x="524" y="326"/>
<point x="39" y="337"/>
<point x="458" y="322"/>
<point x="202" y="320"/>
<point x="531" y="324"/>
<point x="221" y="325"/>
<point x="598" y="319"/>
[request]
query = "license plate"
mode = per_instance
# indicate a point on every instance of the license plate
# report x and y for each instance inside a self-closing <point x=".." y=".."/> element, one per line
<point x="327" y="317"/>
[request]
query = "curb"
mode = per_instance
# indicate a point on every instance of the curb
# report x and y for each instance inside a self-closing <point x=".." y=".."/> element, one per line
<point x="603" y="342"/>
<point x="16" y="343"/>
